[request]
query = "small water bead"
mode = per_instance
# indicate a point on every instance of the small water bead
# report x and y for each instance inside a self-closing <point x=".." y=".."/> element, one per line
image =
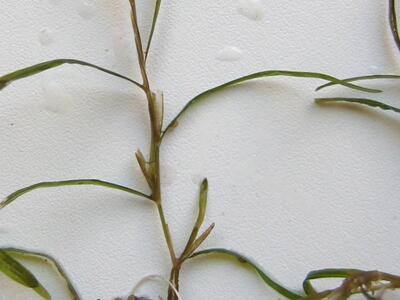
<point x="45" y="37"/>
<point x="86" y="9"/>
<point x="229" y="53"/>
<point x="251" y="9"/>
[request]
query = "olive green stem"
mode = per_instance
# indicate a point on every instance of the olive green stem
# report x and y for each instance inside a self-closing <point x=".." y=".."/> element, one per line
<point x="155" y="122"/>
<point x="167" y="233"/>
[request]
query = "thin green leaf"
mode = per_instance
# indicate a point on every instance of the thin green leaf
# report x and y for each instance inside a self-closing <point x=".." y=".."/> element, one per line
<point x="143" y="166"/>
<point x="42" y="292"/>
<point x="325" y="273"/>
<point x="202" y="203"/>
<point x="201" y="214"/>
<point x="393" y="22"/>
<point x="33" y="70"/>
<point x="359" y="78"/>
<point x="53" y="184"/>
<point x="197" y="243"/>
<point x="50" y="260"/>
<point x="138" y="38"/>
<point x="244" y="260"/>
<point x="17" y="272"/>
<point x="270" y="73"/>
<point x="153" y="27"/>
<point x="363" y="101"/>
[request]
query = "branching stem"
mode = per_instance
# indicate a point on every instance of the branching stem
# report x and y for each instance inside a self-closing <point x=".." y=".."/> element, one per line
<point x="155" y="122"/>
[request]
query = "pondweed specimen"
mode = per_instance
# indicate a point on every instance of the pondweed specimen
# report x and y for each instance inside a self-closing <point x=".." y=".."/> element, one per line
<point x="366" y="101"/>
<point x="370" y="284"/>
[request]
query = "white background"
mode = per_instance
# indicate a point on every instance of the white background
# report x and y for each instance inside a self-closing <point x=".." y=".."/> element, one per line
<point x="293" y="185"/>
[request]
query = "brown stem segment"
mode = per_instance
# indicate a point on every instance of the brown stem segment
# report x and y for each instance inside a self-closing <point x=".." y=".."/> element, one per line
<point x="174" y="278"/>
<point x="155" y="122"/>
<point x="152" y="173"/>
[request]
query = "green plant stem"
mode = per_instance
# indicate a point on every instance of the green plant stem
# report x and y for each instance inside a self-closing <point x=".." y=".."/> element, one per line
<point x="174" y="278"/>
<point x="167" y="234"/>
<point x="155" y="122"/>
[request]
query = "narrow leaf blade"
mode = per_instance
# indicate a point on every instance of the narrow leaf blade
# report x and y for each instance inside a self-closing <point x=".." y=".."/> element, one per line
<point x="12" y="197"/>
<point x="242" y="259"/>
<point x="197" y="243"/>
<point x="36" y="69"/>
<point x="393" y="22"/>
<point x="50" y="260"/>
<point x="368" y="102"/>
<point x="203" y="198"/>
<point x="153" y="26"/>
<point x="201" y="215"/>
<point x="18" y="273"/>
<point x="270" y="73"/>
<point x="360" y="78"/>
<point x="325" y="273"/>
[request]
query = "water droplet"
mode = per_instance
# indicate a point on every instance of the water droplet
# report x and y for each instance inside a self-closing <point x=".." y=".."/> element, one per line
<point x="46" y="37"/>
<point x="56" y="97"/>
<point x="229" y="54"/>
<point x="86" y="9"/>
<point x="251" y="9"/>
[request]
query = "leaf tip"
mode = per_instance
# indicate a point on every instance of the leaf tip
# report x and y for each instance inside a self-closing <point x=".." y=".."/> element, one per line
<point x="3" y="203"/>
<point x="320" y="100"/>
<point x="3" y="84"/>
<point x="204" y="183"/>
